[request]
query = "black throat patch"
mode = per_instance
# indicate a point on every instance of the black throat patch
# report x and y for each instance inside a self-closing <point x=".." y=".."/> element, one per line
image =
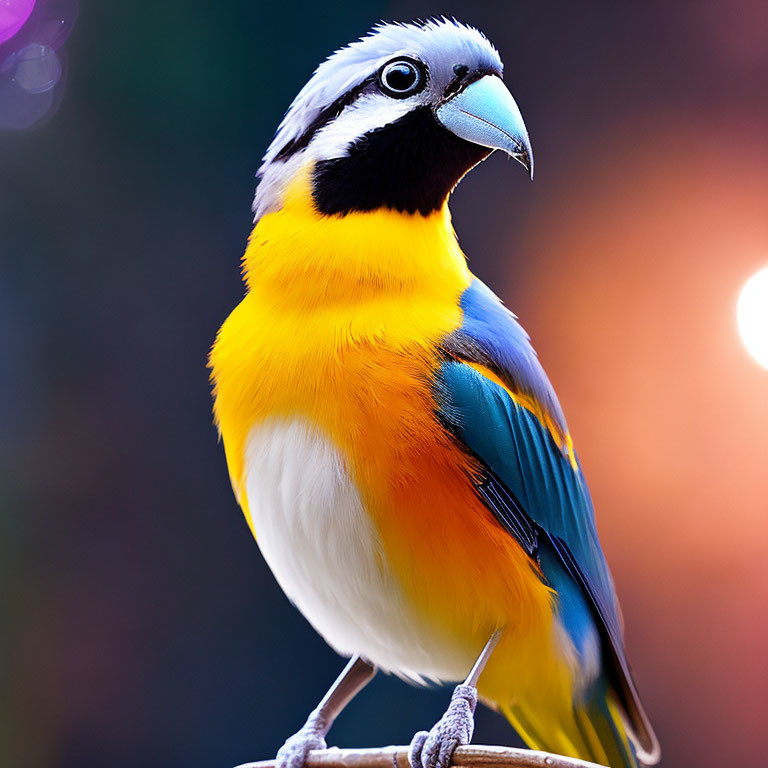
<point x="410" y="165"/>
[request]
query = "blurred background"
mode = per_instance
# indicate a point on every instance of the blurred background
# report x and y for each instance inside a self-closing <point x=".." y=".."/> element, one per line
<point x="139" y="625"/>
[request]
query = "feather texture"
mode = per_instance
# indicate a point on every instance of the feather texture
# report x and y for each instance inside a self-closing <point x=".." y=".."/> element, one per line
<point x="495" y="398"/>
<point x="340" y="103"/>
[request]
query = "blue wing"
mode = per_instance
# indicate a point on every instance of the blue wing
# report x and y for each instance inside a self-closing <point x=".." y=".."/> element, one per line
<point x="496" y="400"/>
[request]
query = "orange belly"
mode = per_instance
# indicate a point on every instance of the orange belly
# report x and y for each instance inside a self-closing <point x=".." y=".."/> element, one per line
<point x="459" y="571"/>
<point x="455" y="563"/>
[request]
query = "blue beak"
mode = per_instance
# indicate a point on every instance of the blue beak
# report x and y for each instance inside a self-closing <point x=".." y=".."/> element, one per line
<point x="486" y="114"/>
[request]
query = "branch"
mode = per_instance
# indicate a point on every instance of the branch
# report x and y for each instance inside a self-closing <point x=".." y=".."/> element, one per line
<point x="463" y="757"/>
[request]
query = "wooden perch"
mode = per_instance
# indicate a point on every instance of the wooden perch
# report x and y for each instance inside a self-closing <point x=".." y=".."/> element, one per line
<point x="464" y="757"/>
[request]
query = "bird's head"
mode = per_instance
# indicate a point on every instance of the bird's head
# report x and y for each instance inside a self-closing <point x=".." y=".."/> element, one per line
<point x="394" y="120"/>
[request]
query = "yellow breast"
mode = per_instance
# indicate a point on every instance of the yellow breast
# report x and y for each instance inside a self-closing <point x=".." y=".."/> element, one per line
<point x="331" y="299"/>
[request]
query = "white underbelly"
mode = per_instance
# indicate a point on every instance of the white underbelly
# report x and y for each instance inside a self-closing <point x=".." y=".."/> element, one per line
<point x="325" y="553"/>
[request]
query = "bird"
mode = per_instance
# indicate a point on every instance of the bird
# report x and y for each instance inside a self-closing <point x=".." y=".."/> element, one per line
<point x="391" y="436"/>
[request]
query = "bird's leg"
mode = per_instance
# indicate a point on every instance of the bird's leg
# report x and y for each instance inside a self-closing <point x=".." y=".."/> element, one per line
<point x="312" y="734"/>
<point x="434" y="749"/>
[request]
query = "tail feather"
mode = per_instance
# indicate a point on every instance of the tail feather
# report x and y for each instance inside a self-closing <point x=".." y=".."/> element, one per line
<point x="591" y="730"/>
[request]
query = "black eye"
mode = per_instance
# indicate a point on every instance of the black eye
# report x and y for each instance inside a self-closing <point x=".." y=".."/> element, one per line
<point x="402" y="77"/>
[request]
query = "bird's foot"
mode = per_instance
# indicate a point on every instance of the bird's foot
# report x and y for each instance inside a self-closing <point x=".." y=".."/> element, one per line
<point x="293" y="753"/>
<point x="434" y="749"/>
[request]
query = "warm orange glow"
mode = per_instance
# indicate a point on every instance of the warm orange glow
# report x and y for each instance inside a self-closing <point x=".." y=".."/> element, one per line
<point x="629" y="299"/>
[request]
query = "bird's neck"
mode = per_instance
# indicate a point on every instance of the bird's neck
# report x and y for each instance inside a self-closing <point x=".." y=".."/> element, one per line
<point x="297" y="256"/>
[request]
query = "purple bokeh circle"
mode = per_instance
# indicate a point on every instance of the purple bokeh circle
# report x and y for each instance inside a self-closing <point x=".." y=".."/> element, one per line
<point x="13" y="14"/>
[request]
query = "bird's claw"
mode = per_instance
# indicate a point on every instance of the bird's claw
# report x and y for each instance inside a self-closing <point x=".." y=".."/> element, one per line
<point x="293" y="753"/>
<point x="434" y="749"/>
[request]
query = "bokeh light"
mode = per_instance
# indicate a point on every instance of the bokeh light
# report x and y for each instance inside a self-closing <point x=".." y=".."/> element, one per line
<point x="38" y="69"/>
<point x="31" y="63"/>
<point x="13" y="15"/>
<point x="752" y="313"/>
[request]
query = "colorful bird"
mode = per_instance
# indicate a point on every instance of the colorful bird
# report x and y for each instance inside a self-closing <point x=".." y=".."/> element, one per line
<point x="391" y="436"/>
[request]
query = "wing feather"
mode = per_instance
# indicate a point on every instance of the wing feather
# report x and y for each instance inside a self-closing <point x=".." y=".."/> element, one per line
<point x="496" y="400"/>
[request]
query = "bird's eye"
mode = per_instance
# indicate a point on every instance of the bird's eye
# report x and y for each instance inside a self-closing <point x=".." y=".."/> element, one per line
<point x="402" y="77"/>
